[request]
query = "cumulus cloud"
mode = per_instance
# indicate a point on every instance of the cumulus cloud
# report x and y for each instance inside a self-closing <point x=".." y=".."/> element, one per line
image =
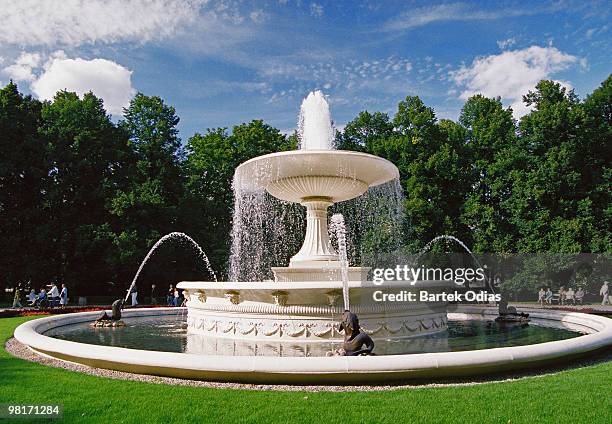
<point x="511" y="74"/>
<point x="105" y="78"/>
<point x="77" y="22"/>
<point x="22" y="69"/>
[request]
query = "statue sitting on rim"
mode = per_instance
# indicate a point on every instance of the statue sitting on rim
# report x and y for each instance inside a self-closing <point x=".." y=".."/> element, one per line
<point x="356" y="342"/>
<point x="111" y="321"/>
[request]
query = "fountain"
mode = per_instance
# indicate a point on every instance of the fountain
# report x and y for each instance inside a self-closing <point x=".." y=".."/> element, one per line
<point x="301" y="304"/>
<point x="286" y="328"/>
<point x="170" y="237"/>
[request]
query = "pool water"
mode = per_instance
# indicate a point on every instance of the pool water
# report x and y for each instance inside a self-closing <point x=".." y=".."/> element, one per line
<point x="168" y="334"/>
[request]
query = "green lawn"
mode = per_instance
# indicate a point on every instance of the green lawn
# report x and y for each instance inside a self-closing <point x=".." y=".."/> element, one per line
<point x="575" y="396"/>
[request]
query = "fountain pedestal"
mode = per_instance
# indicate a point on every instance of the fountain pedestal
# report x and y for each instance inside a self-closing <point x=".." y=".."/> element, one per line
<point x="316" y="247"/>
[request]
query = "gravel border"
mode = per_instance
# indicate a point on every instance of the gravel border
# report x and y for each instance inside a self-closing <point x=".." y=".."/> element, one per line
<point x="22" y="351"/>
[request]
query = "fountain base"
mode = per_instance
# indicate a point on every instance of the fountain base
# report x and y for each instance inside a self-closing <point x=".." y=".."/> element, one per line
<point x="306" y="311"/>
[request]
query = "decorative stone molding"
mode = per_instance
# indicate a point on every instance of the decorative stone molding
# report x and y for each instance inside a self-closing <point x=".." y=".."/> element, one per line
<point x="309" y="330"/>
<point x="333" y="296"/>
<point x="313" y="310"/>
<point x="233" y="296"/>
<point x="280" y="297"/>
<point x="202" y="296"/>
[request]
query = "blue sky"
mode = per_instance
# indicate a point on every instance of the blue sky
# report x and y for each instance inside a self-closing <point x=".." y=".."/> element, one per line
<point x="221" y="63"/>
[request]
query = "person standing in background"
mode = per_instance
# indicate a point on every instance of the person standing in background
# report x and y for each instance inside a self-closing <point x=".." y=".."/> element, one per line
<point x="64" y="296"/>
<point x="605" y="293"/>
<point x="54" y="295"/>
<point x="134" y="294"/>
<point x="175" y="301"/>
<point x="153" y="298"/>
<point x="170" y="296"/>
<point x="17" y="298"/>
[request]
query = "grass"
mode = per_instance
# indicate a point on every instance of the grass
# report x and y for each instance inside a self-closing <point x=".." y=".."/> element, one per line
<point x="574" y="396"/>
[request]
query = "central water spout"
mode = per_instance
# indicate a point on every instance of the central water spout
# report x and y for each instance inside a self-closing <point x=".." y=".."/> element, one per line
<point x="314" y="125"/>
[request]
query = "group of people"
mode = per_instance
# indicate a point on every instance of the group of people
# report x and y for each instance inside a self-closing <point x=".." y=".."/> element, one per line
<point x="569" y="296"/>
<point x="174" y="296"/>
<point x="51" y="298"/>
<point x="564" y="296"/>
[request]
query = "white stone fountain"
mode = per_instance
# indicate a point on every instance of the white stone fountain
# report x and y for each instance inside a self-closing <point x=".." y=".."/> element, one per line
<point x="267" y="331"/>
<point x="304" y="301"/>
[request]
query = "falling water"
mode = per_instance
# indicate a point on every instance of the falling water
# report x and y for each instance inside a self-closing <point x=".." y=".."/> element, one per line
<point x="315" y="129"/>
<point x="338" y="229"/>
<point x="173" y="237"/>
<point x="374" y="223"/>
<point x="266" y="232"/>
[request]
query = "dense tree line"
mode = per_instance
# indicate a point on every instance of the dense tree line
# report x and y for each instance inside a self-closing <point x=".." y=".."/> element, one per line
<point x="82" y="198"/>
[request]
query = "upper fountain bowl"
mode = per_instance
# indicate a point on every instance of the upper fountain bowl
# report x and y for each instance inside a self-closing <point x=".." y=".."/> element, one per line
<point x="300" y="175"/>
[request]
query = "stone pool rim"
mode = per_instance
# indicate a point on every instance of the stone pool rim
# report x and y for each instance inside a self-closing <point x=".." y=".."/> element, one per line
<point x="322" y="370"/>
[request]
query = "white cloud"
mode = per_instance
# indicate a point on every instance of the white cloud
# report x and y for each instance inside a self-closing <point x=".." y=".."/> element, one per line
<point x="22" y="69"/>
<point x="417" y="17"/>
<point x="316" y="9"/>
<point x="511" y="74"/>
<point x="105" y="78"/>
<point x="504" y="44"/>
<point x="77" y="22"/>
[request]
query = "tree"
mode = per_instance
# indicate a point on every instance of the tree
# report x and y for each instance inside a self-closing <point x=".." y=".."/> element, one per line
<point x="23" y="169"/>
<point x="553" y="208"/>
<point x="495" y="157"/>
<point x="86" y="154"/>
<point x="360" y="133"/>
<point x="148" y="206"/>
<point x="595" y="164"/>
<point x="433" y="169"/>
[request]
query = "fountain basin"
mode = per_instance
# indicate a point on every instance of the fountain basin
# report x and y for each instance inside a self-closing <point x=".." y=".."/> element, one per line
<point x="316" y="179"/>
<point x="307" y="311"/>
<point x="299" y="174"/>
<point x="323" y="370"/>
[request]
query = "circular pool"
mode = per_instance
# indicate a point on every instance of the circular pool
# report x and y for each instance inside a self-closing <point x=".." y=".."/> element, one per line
<point x="155" y="342"/>
<point x="168" y="333"/>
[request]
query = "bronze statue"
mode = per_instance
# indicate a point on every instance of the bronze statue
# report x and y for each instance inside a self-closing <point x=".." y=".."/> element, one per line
<point x="354" y="338"/>
<point x="114" y="320"/>
<point x="509" y="313"/>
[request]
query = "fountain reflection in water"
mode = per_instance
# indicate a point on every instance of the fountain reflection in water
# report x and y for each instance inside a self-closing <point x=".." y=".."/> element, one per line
<point x="175" y="236"/>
